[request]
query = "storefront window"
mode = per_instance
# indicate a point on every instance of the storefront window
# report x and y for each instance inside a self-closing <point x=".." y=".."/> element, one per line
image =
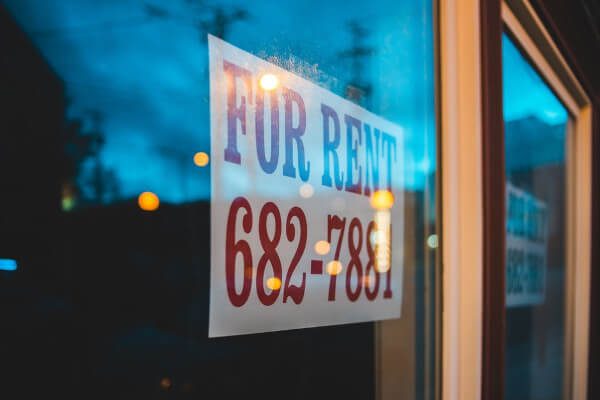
<point x="106" y="161"/>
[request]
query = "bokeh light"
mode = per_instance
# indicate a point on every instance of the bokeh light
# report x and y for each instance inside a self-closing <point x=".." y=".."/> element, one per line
<point x="148" y="201"/>
<point x="67" y="203"/>
<point x="273" y="283"/>
<point x="432" y="241"/>
<point x="69" y="197"/>
<point x="383" y="252"/>
<point x="269" y="82"/>
<point x="7" y="264"/>
<point x="307" y="190"/>
<point x="322" y="247"/>
<point x="334" y="267"/>
<point x="165" y="383"/>
<point x="382" y="200"/>
<point x="201" y="159"/>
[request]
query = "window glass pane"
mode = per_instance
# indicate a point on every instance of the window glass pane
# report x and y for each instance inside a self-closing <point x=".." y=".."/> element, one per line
<point x="535" y="125"/>
<point x="105" y="240"/>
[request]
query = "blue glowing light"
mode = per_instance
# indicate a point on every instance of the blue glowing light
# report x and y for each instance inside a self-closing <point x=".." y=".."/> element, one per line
<point x="6" y="264"/>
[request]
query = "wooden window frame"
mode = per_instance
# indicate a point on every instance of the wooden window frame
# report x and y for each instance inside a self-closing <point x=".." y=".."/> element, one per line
<point x="461" y="198"/>
<point x="524" y="24"/>
<point x="472" y="195"/>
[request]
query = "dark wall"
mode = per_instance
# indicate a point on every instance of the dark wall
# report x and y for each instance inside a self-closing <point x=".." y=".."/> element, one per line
<point x="575" y="27"/>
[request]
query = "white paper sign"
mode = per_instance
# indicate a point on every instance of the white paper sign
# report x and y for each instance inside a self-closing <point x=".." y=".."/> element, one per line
<point x="295" y="241"/>
<point x="526" y="247"/>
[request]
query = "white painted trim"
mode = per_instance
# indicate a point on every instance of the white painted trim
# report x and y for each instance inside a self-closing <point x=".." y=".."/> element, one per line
<point x="462" y="199"/>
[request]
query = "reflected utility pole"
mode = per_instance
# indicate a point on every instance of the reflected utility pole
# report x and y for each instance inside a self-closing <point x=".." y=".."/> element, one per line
<point x="220" y="22"/>
<point x="96" y="143"/>
<point x="216" y="20"/>
<point x="358" y="88"/>
<point x="103" y="182"/>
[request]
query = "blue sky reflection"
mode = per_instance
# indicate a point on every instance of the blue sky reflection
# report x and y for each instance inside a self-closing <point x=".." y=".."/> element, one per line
<point x="525" y="93"/>
<point x="143" y="66"/>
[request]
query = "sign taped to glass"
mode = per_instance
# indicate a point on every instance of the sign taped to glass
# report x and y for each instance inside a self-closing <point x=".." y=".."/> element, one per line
<point x="306" y="187"/>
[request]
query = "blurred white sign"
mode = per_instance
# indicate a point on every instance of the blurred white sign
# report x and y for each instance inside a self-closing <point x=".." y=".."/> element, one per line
<point x="301" y="206"/>
<point x="526" y="247"/>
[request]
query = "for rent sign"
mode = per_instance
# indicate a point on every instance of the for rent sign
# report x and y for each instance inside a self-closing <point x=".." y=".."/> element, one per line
<point x="306" y="187"/>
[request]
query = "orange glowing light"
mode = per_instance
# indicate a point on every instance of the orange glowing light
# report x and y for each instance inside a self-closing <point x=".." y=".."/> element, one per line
<point x="201" y="159"/>
<point x="148" y="201"/>
<point x="273" y="283"/>
<point x="382" y="200"/>
<point x="269" y="82"/>
<point x="334" y="267"/>
<point x="165" y="383"/>
<point x="322" y="247"/>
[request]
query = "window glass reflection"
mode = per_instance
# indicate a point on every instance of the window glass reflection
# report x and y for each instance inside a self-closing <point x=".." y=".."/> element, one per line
<point x="535" y="126"/>
<point x="104" y="241"/>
